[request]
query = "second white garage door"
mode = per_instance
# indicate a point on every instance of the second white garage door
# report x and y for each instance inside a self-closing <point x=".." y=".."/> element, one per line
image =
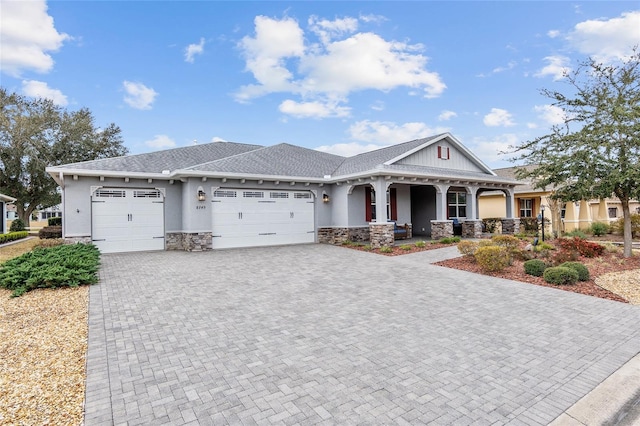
<point x="249" y="218"/>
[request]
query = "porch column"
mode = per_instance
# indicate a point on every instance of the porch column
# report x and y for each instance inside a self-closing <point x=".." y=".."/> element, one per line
<point x="441" y="201"/>
<point x="584" y="215"/>
<point x="603" y="212"/>
<point x="570" y="219"/>
<point x="380" y="188"/>
<point x="472" y="202"/>
<point x="509" y="200"/>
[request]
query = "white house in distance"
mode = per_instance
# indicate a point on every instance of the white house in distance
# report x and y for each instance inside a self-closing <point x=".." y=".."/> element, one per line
<point x="4" y="200"/>
<point x="224" y="194"/>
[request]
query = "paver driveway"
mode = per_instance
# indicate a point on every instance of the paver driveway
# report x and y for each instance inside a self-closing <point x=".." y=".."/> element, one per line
<point x="320" y="334"/>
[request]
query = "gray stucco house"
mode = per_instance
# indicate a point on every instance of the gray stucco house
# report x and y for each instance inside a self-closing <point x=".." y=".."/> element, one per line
<point x="223" y="195"/>
<point x="4" y="200"/>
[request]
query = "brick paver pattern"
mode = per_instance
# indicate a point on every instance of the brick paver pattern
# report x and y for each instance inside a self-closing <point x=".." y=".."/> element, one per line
<point x="317" y="334"/>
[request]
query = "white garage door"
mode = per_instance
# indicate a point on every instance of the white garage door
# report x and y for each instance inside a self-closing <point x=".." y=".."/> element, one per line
<point x="249" y="217"/>
<point x="124" y="219"/>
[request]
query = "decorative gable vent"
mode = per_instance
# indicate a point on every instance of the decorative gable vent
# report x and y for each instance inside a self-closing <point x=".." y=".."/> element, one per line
<point x="443" y="152"/>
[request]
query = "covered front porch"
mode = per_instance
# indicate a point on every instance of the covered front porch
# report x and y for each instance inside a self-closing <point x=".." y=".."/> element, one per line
<point x="371" y="209"/>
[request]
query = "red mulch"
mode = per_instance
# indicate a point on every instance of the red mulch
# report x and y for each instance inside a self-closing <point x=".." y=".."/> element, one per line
<point x="609" y="262"/>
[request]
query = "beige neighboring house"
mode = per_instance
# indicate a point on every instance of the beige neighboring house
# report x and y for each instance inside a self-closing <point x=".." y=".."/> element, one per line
<point x="528" y="200"/>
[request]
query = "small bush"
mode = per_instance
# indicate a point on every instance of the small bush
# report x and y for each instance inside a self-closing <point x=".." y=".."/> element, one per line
<point x="583" y="272"/>
<point x="468" y="248"/>
<point x="12" y="236"/>
<point x="17" y="225"/>
<point x="618" y="225"/>
<point x="449" y="240"/>
<point x="366" y="247"/>
<point x="492" y="258"/>
<point x="544" y="246"/>
<point x="534" y="267"/>
<point x="54" y="221"/>
<point x="421" y="244"/>
<point x="491" y="224"/>
<point x="509" y="242"/>
<point x="529" y="224"/>
<point x="386" y="249"/>
<point x="406" y="247"/>
<point x="562" y="256"/>
<point x="576" y="233"/>
<point x="66" y="265"/>
<point x="582" y="246"/>
<point x="50" y="232"/>
<point x="598" y="229"/>
<point x="559" y="275"/>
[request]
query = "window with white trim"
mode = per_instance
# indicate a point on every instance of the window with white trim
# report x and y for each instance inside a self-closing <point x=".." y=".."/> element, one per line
<point x="457" y="204"/>
<point x="443" y="152"/>
<point x="526" y="207"/>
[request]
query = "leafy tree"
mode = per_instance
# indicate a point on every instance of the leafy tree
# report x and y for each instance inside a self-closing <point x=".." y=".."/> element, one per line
<point x="34" y="134"/>
<point x="596" y="152"/>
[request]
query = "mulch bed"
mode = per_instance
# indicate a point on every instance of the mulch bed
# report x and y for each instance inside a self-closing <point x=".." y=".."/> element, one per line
<point x="609" y="262"/>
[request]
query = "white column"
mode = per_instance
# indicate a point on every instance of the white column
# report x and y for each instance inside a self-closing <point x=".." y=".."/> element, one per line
<point x="510" y="200"/>
<point x="441" y="201"/>
<point x="472" y="202"/>
<point x="380" y="188"/>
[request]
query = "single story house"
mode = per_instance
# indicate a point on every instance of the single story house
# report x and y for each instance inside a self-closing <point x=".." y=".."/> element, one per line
<point x="571" y="216"/>
<point x="4" y="200"/>
<point x="224" y="195"/>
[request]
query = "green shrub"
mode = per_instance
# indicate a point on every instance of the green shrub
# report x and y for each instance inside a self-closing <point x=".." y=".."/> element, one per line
<point x="17" y="225"/>
<point x="449" y="240"/>
<point x="492" y="258"/>
<point x="618" y="225"/>
<point x="421" y="244"/>
<point x="386" y="249"/>
<point x="559" y="275"/>
<point x="12" y="236"/>
<point x="529" y="225"/>
<point x="65" y="265"/>
<point x="468" y="248"/>
<point x="491" y="224"/>
<point x="583" y="272"/>
<point x="598" y="229"/>
<point x="576" y="233"/>
<point x="50" y="232"/>
<point x="534" y="267"/>
<point x="406" y="247"/>
<point x="54" y="221"/>
<point x="366" y="247"/>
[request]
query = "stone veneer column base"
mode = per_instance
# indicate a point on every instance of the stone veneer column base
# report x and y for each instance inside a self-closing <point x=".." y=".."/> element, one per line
<point x="74" y="240"/>
<point x="472" y="228"/>
<point x="188" y="241"/>
<point x="510" y="226"/>
<point x="338" y="235"/>
<point x="381" y="235"/>
<point x="441" y="229"/>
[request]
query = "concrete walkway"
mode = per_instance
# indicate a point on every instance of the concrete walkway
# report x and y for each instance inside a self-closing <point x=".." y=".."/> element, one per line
<point x="316" y="334"/>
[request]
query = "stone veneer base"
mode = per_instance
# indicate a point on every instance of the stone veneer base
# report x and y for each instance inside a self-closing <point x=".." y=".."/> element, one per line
<point x="441" y="229"/>
<point x="188" y="241"/>
<point x="338" y="235"/>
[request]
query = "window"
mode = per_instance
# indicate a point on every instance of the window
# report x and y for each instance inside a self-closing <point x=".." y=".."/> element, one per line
<point x="457" y="204"/>
<point x="526" y="207"/>
<point x="613" y="212"/>
<point x="443" y="152"/>
<point x="370" y="204"/>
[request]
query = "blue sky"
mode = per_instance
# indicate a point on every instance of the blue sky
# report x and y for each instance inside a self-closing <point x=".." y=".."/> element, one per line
<point x="342" y="77"/>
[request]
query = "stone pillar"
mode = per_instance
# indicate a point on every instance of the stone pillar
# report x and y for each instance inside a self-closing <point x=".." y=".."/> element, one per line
<point x="510" y="226"/>
<point x="441" y="229"/>
<point x="381" y="234"/>
<point x="197" y="241"/>
<point x="472" y="229"/>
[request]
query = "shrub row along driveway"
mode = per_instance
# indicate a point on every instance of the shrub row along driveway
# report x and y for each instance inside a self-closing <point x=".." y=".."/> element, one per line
<point x="316" y="333"/>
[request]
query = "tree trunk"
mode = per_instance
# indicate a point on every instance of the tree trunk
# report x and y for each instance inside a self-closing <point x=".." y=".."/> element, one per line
<point x="628" y="240"/>
<point x="23" y="214"/>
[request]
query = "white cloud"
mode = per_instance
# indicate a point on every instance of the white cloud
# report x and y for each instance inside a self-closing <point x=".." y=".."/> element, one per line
<point x="511" y="65"/>
<point x="334" y="67"/>
<point x="498" y="117"/>
<point x="387" y="133"/>
<point x="446" y="115"/>
<point x="218" y="139"/>
<point x="138" y="95"/>
<point x="553" y="33"/>
<point x="550" y="114"/>
<point x="27" y="36"/>
<point x="315" y="109"/>
<point x="532" y="125"/>
<point x="607" y="39"/>
<point x="557" y="67"/>
<point x="378" y="106"/>
<point x="40" y="89"/>
<point x="489" y="150"/>
<point x="192" y="50"/>
<point x="160" y="142"/>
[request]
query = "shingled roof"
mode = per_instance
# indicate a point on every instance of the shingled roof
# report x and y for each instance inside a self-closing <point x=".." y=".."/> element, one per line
<point x="168" y="159"/>
<point x="278" y="160"/>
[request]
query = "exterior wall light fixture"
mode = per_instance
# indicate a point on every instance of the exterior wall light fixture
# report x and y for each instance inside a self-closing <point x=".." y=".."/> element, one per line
<point x="325" y="198"/>
<point x="202" y="196"/>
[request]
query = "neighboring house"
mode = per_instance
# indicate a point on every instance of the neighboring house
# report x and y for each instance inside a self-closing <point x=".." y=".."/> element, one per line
<point x="4" y="200"/>
<point x="46" y="214"/>
<point x="528" y="200"/>
<point x="223" y="194"/>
